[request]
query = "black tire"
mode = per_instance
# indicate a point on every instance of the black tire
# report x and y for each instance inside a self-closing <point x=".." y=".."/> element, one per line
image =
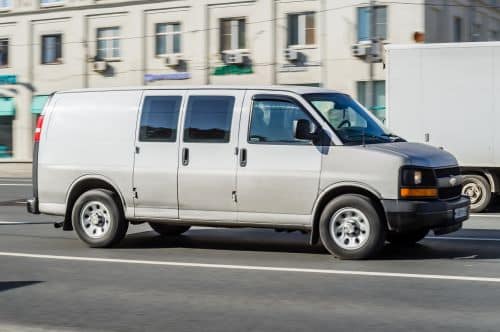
<point x="168" y="230"/>
<point x="376" y="236"/>
<point x="482" y="197"/>
<point x="406" y="238"/>
<point x="117" y="224"/>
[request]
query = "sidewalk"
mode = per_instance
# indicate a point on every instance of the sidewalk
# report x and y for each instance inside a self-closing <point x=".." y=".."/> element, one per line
<point x="15" y="170"/>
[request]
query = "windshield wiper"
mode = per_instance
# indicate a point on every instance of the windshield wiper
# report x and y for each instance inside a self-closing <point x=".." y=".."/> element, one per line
<point x="395" y="138"/>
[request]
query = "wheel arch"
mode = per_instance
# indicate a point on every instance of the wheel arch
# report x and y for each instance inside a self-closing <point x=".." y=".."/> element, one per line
<point x="86" y="183"/>
<point x="339" y="189"/>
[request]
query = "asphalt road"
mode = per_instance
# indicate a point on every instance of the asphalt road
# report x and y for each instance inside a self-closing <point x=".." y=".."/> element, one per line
<point x="239" y="280"/>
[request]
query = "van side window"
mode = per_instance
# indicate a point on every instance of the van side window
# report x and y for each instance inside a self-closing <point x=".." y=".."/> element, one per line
<point x="274" y="121"/>
<point x="208" y="119"/>
<point x="159" y="118"/>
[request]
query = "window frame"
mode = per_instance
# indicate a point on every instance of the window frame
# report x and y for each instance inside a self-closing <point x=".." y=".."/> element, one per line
<point x="235" y="32"/>
<point x="109" y="50"/>
<point x="58" y="51"/>
<point x="169" y="38"/>
<point x="185" y="118"/>
<point x="179" y="113"/>
<point x="301" y="29"/>
<point x="280" y="98"/>
<point x="7" y="47"/>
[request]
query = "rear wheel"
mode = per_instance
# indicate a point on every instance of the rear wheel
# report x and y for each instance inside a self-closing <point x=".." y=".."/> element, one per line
<point x="350" y="227"/>
<point x="406" y="238"/>
<point x="168" y="230"/>
<point x="98" y="220"/>
<point x="479" y="191"/>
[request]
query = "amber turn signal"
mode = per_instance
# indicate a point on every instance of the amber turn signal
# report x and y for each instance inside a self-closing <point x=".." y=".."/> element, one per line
<point x="418" y="192"/>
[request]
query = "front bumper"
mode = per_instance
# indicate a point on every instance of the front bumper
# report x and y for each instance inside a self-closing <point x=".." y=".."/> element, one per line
<point x="440" y="216"/>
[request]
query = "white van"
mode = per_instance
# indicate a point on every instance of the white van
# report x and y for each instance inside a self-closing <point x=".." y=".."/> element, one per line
<point x="295" y="158"/>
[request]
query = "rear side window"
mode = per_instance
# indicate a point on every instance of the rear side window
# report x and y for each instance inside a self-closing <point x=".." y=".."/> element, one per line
<point x="208" y="119"/>
<point x="160" y="115"/>
<point x="274" y="122"/>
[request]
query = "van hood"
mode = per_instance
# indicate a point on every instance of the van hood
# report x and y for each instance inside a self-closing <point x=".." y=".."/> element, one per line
<point x="418" y="154"/>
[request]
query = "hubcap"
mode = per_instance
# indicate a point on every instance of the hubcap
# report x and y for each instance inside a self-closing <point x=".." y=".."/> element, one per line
<point x="473" y="191"/>
<point x="95" y="219"/>
<point x="349" y="228"/>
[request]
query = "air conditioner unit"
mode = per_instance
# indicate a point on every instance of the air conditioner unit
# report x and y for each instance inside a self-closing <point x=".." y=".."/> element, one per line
<point x="100" y="66"/>
<point x="291" y="54"/>
<point x="173" y="60"/>
<point x="360" y="50"/>
<point x="234" y="57"/>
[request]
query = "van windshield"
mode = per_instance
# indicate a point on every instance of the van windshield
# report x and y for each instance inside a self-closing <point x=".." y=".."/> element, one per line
<point x="350" y="120"/>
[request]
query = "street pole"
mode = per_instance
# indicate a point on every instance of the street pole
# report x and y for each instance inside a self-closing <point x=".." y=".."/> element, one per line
<point x="371" y="98"/>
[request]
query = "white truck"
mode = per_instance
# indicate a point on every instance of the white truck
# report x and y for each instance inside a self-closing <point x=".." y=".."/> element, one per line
<point x="448" y="95"/>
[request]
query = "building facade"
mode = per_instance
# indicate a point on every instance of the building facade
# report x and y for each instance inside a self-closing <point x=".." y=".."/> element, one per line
<point x="51" y="45"/>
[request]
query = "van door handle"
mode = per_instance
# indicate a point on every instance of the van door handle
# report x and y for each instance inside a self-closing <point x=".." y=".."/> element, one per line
<point x="243" y="157"/>
<point x="185" y="156"/>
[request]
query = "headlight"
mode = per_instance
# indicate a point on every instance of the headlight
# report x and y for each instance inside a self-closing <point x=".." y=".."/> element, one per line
<point x="418" y="183"/>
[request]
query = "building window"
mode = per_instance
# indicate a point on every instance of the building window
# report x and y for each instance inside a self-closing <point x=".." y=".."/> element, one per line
<point x="457" y="29"/>
<point x="4" y="52"/>
<point x="44" y="3"/>
<point x="168" y="38"/>
<point x="232" y="34"/>
<point x="51" y="49"/>
<point x="364" y="23"/>
<point x="378" y="109"/>
<point x="5" y="4"/>
<point x="108" y="43"/>
<point x="302" y="29"/>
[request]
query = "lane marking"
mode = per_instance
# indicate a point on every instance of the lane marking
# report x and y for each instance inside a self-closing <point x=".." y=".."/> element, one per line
<point x="462" y="238"/>
<point x="16" y="185"/>
<point x="254" y="268"/>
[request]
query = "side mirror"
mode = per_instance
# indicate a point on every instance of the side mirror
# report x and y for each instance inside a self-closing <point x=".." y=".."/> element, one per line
<point x="304" y="130"/>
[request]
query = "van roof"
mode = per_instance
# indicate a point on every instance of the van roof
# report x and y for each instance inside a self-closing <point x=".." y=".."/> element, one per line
<point x="287" y="88"/>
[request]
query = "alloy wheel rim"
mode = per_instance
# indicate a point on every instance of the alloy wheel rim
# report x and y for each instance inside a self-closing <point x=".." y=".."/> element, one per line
<point x="95" y="219"/>
<point x="349" y="228"/>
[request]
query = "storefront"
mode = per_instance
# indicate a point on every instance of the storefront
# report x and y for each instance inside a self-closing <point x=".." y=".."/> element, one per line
<point x="7" y="113"/>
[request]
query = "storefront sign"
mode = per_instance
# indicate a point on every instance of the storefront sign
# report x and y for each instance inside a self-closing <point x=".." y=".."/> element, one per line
<point x="232" y="70"/>
<point x="8" y="79"/>
<point x="167" y="77"/>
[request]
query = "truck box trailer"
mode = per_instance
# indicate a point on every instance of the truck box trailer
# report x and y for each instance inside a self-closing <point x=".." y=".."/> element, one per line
<point x="448" y="95"/>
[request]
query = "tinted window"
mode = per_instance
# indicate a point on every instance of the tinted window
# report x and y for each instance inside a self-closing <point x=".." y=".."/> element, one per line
<point x="208" y="119"/>
<point x="274" y="121"/>
<point x="159" y="118"/>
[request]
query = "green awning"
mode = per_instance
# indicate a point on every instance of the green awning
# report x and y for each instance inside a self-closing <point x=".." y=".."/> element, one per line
<point x="7" y="106"/>
<point x="38" y="103"/>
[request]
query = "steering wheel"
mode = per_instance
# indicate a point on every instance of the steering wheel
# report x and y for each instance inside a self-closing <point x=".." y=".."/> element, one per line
<point x="343" y="123"/>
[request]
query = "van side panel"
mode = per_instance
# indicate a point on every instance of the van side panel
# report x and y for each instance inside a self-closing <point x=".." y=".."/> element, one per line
<point x="87" y="134"/>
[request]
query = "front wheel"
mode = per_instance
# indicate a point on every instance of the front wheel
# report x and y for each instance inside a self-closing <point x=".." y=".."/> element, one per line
<point x="350" y="227"/>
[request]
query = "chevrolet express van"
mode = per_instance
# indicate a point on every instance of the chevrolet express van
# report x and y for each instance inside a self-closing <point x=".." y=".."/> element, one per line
<point x="287" y="158"/>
